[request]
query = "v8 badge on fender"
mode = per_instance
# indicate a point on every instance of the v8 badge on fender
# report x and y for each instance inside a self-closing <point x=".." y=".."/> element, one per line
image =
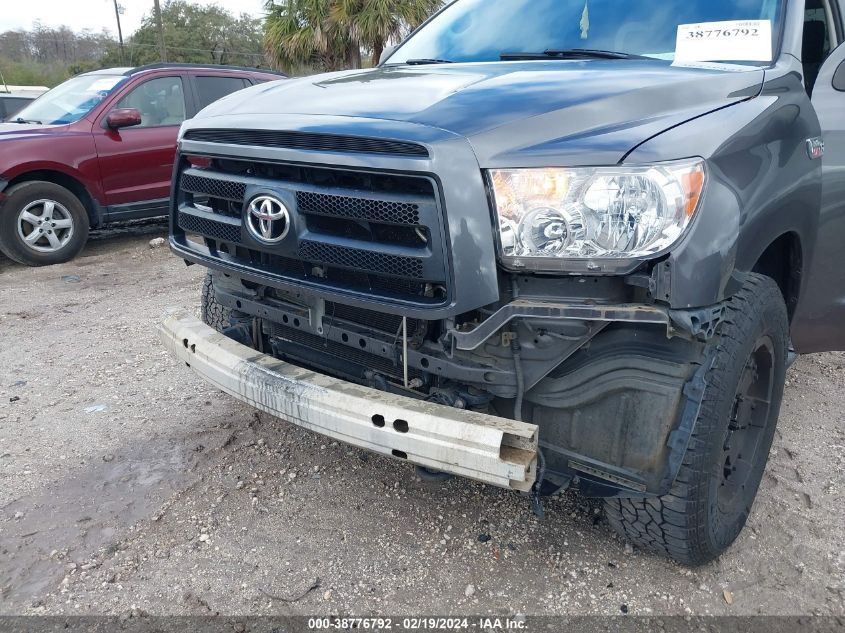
<point x="815" y="147"/>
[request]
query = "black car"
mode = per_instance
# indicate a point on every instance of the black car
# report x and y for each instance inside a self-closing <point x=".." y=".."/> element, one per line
<point x="545" y="244"/>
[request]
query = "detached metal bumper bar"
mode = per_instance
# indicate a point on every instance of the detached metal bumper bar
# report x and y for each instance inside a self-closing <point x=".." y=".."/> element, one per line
<point x="489" y="449"/>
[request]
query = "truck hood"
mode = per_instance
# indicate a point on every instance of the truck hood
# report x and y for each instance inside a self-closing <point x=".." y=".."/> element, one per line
<point x="510" y="111"/>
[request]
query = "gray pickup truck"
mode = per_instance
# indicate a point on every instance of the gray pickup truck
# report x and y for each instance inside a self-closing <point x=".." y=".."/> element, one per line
<point x="545" y="244"/>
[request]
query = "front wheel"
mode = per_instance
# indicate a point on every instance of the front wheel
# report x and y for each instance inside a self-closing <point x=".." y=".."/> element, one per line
<point x="41" y="224"/>
<point x="710" y="500"/>
<point x="214" y="314"/>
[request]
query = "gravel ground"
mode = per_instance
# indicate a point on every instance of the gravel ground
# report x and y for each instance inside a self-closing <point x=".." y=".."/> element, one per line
<point x="126" y="483"/>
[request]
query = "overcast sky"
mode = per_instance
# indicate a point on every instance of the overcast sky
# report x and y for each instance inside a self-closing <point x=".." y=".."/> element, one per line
<point x="96" y="14"/>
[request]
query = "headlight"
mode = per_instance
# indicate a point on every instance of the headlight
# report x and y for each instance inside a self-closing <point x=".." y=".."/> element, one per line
<point x="595" y="213"/>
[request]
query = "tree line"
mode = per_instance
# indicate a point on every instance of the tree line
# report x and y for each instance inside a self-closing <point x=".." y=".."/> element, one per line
<point x="46" y="56"/>
<point x="298" y="36"/>
<point x="334" y="34"/>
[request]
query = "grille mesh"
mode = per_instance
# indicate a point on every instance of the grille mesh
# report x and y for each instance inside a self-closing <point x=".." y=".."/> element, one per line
<point x="384" y="211"/>
<point x="307" y="141"/>
<point x="213" y="187"/>
<point x="397" y="265"/>
<point x="363" y="232"/>
<point x="209" y="228"/>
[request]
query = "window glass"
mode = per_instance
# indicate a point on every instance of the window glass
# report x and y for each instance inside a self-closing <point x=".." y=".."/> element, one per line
<point x="816" y="30"/>
<point x="11" y="105"/>
<point x="213" y="88"/>
<point x="161" y="102"/>
<point x="481" y="30"/>
<point x="817" y="41"/>
<point x="18" y="102"/>
<point x="72" y="100"/>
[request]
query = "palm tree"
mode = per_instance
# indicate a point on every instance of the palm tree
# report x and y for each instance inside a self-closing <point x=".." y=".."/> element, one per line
<point x="330" y="34"/>
<point x="299" y="34"/>
<point x="373" y="24"/>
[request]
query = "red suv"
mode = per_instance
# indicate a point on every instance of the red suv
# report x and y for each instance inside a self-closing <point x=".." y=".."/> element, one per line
<point x="99" y="149"/>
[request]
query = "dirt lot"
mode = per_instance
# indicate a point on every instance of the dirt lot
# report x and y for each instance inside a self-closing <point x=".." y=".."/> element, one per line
<point x="126" y="483"/>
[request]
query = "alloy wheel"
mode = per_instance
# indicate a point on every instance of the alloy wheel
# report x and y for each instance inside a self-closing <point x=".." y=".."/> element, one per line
<point x="45" y="226"/>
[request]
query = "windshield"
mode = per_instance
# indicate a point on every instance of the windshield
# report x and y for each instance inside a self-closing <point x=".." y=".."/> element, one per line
<point x="70" y="101"/>
<point x="697" y="30"/>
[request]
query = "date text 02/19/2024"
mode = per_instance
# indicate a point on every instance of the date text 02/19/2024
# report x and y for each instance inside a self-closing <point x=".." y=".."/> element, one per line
<point x="517" y="623"/>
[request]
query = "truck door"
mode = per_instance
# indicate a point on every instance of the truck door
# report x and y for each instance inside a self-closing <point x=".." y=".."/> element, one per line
<point x="819" y="323"/>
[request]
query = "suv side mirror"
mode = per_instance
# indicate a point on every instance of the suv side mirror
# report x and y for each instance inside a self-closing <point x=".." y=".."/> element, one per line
<point x="123" y="117"/>
<point x="387" y="52"/>
<point x="839" y="78"/>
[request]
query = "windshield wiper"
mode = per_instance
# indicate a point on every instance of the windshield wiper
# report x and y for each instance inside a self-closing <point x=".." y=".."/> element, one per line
<point x="20" y="120"/>
<point x="571" y="53"/>
<point x="427" y="62"/>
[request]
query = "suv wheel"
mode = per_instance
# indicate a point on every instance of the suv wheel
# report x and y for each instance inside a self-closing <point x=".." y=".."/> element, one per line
<point x="42" y="223"/>
<point x="710" y="500"/>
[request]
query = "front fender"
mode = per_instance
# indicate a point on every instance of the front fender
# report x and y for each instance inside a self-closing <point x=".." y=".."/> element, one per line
<point x="761" y="185"/>
<point x="70" y="153"/>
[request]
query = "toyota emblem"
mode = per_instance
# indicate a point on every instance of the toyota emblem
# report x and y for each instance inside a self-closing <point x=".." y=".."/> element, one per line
<point x="268" y="219"/>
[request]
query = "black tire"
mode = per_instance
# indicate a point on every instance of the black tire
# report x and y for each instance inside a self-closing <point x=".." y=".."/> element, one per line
<point x="710" y="500"/>
<point x="54" y="245"/>
<point x="213" y="314"/>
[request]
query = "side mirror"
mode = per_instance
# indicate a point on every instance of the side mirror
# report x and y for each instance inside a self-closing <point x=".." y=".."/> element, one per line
<point x="386" y="53"/>
<point x="123" y="117"/>
<point x="839" y="78"/>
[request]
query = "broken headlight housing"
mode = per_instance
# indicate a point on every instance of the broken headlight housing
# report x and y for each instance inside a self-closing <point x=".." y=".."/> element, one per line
<point x="548" y="216"/>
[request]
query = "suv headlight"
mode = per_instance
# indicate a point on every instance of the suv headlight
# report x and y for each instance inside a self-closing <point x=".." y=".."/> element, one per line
<point x="594" y="213"/>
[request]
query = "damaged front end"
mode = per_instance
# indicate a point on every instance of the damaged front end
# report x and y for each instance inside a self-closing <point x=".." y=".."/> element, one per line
<point x="377" y="265"/>
<point x="492" y="450"/>
<point x="613" y="388"/>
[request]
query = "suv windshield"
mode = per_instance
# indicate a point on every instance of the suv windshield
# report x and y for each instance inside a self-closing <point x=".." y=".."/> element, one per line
<point x="485" y="30"/>
<point x="70" y="101"/>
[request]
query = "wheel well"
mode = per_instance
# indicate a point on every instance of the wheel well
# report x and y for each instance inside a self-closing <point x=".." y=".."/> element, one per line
<point x="68" y="182"/>
<point x="783" y="262"/>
